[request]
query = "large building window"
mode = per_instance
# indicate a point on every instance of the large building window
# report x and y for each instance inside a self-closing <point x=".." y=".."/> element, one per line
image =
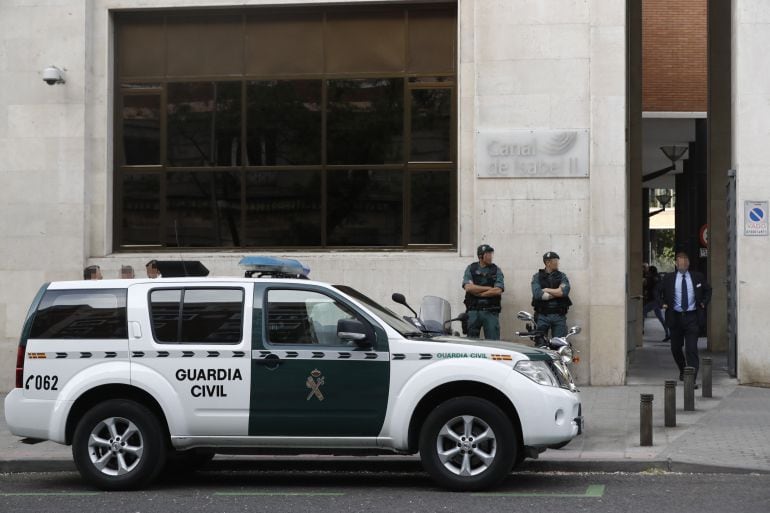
<point x="306" y="128"/>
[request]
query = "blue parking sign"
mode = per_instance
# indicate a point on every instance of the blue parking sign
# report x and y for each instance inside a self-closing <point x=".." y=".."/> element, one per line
<point x="755" y="218"/>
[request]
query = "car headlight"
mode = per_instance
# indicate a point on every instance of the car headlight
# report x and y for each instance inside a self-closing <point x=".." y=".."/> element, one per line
<point x="566" y="354"/>
<point x="537" y="371"/>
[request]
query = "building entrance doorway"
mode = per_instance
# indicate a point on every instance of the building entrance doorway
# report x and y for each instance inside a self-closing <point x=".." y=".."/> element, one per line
<point x="679" y="156"/>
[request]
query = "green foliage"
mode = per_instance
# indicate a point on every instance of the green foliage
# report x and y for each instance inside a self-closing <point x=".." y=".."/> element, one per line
<point x="662" y="254"/>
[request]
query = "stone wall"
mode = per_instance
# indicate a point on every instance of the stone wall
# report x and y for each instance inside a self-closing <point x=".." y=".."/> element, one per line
<point x="751" y="154"/>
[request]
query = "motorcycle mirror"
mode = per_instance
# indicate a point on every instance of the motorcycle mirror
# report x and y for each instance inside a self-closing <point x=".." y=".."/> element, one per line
<point x="524" y="316"/>
<point x="401" y="300"/>
<point x="574" y="330"/>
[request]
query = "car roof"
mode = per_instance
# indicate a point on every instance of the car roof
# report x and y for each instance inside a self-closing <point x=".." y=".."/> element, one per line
<point x="125" y="283"/>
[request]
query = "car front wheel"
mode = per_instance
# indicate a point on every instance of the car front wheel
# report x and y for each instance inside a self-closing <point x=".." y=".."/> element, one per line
<point x="118" y="445"/>
<point x="467" y="444"/>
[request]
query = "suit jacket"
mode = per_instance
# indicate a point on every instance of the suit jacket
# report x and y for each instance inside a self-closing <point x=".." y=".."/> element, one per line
<point x="702" y="295"/>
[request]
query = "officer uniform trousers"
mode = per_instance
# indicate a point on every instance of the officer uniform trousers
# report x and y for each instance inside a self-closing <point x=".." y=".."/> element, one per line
<point x="487" y="319"/>
<point x="556" y="322"/>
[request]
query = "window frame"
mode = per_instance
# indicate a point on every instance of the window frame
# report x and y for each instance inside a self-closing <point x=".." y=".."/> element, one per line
<point x="159" y="85"/>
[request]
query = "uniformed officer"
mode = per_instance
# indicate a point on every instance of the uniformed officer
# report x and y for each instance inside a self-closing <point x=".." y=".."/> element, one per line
<point x="483" y="284"/>
<point x="550" y="297"/>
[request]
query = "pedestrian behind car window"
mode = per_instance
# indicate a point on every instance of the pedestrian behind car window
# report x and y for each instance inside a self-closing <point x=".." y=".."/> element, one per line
<point x="152" y="269"/>
<point x="92" y="272"/>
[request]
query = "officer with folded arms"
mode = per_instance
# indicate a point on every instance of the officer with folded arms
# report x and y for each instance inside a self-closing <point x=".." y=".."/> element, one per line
<point x="550" y="297"/>
<point x="483" y="284"/>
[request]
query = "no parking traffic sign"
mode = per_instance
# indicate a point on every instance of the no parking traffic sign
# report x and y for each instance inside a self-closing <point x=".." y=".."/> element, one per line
<point x="755" y="217"/>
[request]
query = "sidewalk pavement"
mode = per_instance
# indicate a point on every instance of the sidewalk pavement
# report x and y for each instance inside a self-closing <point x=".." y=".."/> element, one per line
<point x="729" y="432"/>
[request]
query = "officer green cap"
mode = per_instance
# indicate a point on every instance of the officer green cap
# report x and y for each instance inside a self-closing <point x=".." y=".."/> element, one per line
<point x="550" y="255"/>
<point x="484" y="248"/>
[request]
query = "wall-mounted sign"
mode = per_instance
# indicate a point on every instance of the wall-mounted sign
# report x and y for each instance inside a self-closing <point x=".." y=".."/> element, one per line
<point x="755" y="218"/>
<point x="703" y="235"/>
<point x="532" y="154"/>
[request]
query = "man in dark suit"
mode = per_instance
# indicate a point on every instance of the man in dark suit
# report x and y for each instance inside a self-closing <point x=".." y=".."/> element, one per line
<point x="685" y="296"/>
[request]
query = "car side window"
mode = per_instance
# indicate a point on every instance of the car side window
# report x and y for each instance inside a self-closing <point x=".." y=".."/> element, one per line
<point x="197" y="315"/>
<point x="304" y="317"/>
<point x="81" y="314"/>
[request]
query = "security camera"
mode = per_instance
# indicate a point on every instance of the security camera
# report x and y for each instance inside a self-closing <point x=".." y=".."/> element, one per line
<point x="53" y="75"/>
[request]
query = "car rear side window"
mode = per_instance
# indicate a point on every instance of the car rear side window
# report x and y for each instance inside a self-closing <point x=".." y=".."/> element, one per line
<point x="197" y="315"/>
<point x="81" y="314"/>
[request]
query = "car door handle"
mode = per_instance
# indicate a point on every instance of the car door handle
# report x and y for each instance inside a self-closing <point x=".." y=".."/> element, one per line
<point x="271" y="361"/>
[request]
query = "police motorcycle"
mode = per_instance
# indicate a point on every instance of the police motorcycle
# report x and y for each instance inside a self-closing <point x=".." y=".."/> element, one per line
<point x="561" y="345"/>
<point x="435" y="317"/>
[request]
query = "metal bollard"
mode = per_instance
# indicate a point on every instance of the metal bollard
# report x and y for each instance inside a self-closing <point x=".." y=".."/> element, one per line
<point x="645" y="420"/>
<point x="689" y="389"/>
<point x="706" y="377"/>
<point x="670" y="404"/>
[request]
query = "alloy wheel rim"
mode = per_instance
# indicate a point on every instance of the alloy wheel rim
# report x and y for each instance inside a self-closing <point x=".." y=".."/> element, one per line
<point x="466" y="446"/>
<point x="115" y="446"/>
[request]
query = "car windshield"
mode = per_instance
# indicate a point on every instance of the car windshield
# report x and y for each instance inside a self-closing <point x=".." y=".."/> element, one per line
<point x="389" y="316"/>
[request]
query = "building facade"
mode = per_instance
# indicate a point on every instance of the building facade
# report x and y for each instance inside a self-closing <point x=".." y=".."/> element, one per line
<point x="379" y="143"/>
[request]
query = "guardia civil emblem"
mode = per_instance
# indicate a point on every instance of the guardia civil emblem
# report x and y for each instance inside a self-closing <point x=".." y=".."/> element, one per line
<point x="314" y="382"/>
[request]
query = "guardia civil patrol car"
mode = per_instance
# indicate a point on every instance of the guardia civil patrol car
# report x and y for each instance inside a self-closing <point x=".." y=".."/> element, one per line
<point x="136" y="373"/>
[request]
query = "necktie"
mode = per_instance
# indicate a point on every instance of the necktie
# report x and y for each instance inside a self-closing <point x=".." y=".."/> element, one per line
<point x="685" y="299"/>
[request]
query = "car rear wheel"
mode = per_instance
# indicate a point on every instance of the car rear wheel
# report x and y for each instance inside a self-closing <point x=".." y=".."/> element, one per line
<point x="467" y="444"/>
<point x="118" y="445"/>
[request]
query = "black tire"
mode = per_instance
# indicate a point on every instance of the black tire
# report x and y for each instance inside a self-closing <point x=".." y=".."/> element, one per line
<point x="114" y="464"/>
<point x="500" y="449"/>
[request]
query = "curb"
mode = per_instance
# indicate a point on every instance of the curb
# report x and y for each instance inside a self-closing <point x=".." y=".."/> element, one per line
<point x="634" y="466"/>
<point x="406" y="464"/>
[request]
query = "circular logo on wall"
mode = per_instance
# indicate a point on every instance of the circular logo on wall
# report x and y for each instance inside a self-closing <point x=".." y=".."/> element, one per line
<point x="560" y="143"/>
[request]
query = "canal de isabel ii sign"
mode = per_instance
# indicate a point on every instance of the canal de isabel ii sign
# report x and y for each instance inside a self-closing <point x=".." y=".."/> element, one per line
<point x="532" y="154"/>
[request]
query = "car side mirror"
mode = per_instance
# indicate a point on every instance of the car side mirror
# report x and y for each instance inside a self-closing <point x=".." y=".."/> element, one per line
<point x="353" y="330"/>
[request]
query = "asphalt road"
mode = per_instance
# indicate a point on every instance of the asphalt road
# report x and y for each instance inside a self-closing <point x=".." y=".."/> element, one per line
<point x="392" y="492"/>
